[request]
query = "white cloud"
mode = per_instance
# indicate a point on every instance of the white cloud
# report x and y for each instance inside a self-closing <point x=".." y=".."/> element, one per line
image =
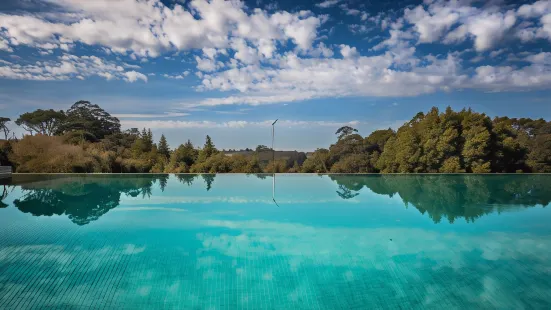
<point x="165" y="115"/>
<point x="540" y="58"/>
<point x="321" y="50"/>
<point x="348" y="52"/>
<point x="433" y="22"/>
<point x="536" y="9"/>
<point x="299" y="78"/>
<point x="395" y="73"/>
<point x="486" y="25"/>
<point x="176" y="76"/>
<point x="149" y="28"/>
<point x="506" y="78"/>
<point x="327" y="3"/>
<point x="207" y="64"/>
<point x="259" y="57"/>
<point x="133" y="76"/>
<point x="488" y="28"/>
<point x="67" y="67"/>
<point x="357" y="28"/>
<point x="5" y="46"/>
<point x="349" y="11"/>
<point x="497" y="52"/>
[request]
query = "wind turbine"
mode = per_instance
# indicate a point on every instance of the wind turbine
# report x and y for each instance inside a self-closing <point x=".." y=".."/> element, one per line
<point x="273" y="163"/>
<point x="273" y="151"/>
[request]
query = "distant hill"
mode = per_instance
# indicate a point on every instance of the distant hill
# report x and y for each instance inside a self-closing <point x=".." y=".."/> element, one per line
<point x="266" y="156"/>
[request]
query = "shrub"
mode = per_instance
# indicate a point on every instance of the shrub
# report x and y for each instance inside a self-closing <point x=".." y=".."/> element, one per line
<point x="355" y="163"/>
<point x="45" y="154"/>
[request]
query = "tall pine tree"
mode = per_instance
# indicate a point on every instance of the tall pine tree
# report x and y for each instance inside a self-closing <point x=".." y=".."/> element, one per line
<point x="163" y="148"/>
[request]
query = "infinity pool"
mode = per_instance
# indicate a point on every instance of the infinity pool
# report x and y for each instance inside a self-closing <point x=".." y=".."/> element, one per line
<point x="296" y="242"/>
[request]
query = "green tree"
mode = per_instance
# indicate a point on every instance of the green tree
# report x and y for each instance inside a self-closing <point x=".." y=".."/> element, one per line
<point x="377" y="140"/>
<point x="347" y="145"/>
<point x="345" y="131"/>
<point x="208" y="150"/>
<point x="439" y="139"/>
<point x="408" y="150"/>
<point x="46" y="122"/>
<point x="87" y="117"/>
<point x="509" y="153"/>
<point x="318" y="162"/>
<point x="4" y="127"/>
<point x="164" y="149"/>
<point x="540" y="155"/>
<point x="143" y="144"/>
<point x="253" y="166"/>
<point x="449" y="142"/>
<point x="451" y="165"/>
<point x="182" y="158"/>
<point x="386" y="162"/>
<point x="476" y="135"/>
<point x="353" y="163"/>
<point x="262" y="148"/>
<point x="430" y="130"/>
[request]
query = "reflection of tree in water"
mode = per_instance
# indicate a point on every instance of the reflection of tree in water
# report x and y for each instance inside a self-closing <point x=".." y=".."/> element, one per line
<point x="4" y="195"/>
<point x="163" y="180"/>
<point x="262" y="176"/>
<point x="189" y="178"/>
<point x="208" y="178"/>
<point x="458" y="196"/>
<point x="186" y="178"/>
<point x="346" y="193"/>
<point x="82" y="198"/>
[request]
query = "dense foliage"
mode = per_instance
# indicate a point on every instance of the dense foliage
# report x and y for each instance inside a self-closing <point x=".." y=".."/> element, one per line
<point x="86" y="138"/>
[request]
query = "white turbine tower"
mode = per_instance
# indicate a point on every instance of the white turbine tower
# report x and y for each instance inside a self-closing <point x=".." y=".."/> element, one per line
<point x="273" y="163"/>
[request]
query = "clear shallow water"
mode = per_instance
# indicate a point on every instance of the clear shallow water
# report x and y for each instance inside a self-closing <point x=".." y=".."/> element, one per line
<point x="220" y="242"/>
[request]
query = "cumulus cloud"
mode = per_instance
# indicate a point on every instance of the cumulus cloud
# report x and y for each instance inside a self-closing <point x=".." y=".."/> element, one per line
<point x="393" y="74"/>
<point x="4" y="45"/>
<point x="348" y="52"/>
<point x="148" y="28"/>
<point x="133" y="76"/>
<point x="176" y="76"/>
<point x="540" y="58"/>
<point x="327" y="3"/>
<point x="452" y="22"/>
<point x="305" y="78"/>
<point x="486" y="25"/>
<point x="321" y="50"/>
<point x="67" y="67"/>
<point x="258" y="57"/>
<point x="536" y="9"/>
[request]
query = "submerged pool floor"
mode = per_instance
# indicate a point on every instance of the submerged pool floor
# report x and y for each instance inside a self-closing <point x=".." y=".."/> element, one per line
<point x="330" y="242"/>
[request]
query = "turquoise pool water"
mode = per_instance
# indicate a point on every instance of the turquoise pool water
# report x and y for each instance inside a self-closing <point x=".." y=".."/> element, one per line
<point x="309" y="242"/>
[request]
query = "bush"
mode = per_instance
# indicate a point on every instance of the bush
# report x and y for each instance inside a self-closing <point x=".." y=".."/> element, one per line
<point x="45" y="154"/>
<point x="5" y="150"/>
<point x="356" y="163"/>
<point x="218" y="163"/>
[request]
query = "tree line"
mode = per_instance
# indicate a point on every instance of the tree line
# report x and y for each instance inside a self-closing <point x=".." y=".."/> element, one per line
<point x="86" y="138"/>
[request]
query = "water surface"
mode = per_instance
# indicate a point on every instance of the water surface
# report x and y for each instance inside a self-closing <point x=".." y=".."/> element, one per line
<point x="309" y="242"/>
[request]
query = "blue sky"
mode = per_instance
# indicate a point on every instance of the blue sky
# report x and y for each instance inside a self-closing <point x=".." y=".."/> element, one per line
<point x="228" y="68"/>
